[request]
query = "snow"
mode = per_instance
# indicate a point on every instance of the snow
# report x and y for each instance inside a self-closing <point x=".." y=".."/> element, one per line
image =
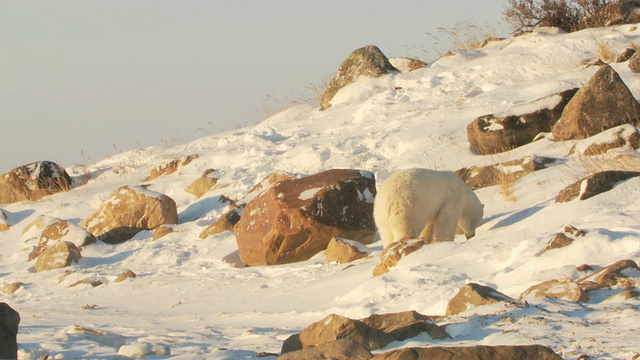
<point x="192" y="300"/>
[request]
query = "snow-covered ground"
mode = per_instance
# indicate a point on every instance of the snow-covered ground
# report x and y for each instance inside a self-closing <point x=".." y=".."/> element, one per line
<point x="189" y="301"/>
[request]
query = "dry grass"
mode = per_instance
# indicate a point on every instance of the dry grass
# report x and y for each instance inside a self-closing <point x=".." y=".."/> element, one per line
<point x="463" y="35"/>
<point x="607" y="53"/>
<point x="598" y="163"/>
<point x="506" y="183"/>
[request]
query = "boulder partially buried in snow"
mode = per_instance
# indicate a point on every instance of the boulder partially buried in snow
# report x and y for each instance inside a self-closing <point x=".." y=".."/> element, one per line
<point x="127" y="211"/>
<point x="405" y="65"/>
<point x="607" y="276"/>
<point x="626" y="135"/>
<point x="473" y="295"/>
<point x="33" y="181"/>
<point x="593" y="185"/>
<point x="477" y="177"/>
<point x="60" y="255"/>
<point x="367" y="61"/>
<point x="559" y="289"/>
<point x="203" y="184"/>
<point x="478" y="352"/>
<point x="491" y="134"/>
<point x="604" y="102"/>
<point x="344" y="251"/>
<point x="61" y="230"/>
<point x="170" y="167"/>
<point x="295" y="219"/>
<point x="393" y="253"/>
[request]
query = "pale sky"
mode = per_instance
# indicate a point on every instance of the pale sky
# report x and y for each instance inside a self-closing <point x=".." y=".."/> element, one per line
<point x="82" y="80"/>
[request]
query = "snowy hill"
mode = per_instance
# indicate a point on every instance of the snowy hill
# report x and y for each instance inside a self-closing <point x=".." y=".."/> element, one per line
<point x="190" y="299"/>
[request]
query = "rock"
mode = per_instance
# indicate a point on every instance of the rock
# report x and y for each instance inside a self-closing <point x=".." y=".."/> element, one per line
<point x="406" y="325"/>
<point x="393" y="253"/>
<point x="335" y="327"/>
<point x="584" y="267"/>
<point x="604" y="102"/>
<point x="607" y="276"/>
<point x="92" y="282"/>
<point x="11" y="288"/>
<point x="593" y="185"/>
<point x="203" y="184"/>
<point x="367" y="61"/>
<point x="127" y="211"/>
<point x="60" y="255"/>
<point x="33" y="182"/>
<point x="61" y="230"/>
<point x="477" y="177"/>
<point x="343" y="349"/>
<point x="102" y="337"/>
<point x="473" y="295"/>
<point x="634" y="62"/>
<point x="127" y="274"/>
<point x="344" y="251"/>
<point x="295" y="219"/>
<point x="9" y="322"/>
<point x="617" y="137"/>
<point x="4" y="221"/>
<point x="491" y="134"/>
<point x="558" y="241"/>
<point x="271" y="180"/>
<point x="559" y="289"/>
<point x="226" y="222"/>
<point x="161" y="231"/>
<point x="170" y="167"/>
<point x="291" y="344"/>
<point x="624" y="55"/>
<point x="479" y="352"/>
<point x="406" y="65"/>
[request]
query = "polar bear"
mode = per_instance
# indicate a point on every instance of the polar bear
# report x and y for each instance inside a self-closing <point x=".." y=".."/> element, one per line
<point x="425" y="204"/>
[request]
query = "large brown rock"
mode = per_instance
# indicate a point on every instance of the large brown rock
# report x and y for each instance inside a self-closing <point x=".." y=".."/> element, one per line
<point x="367" y="61"/>
<point x="335" y="327"/>
<point x="33" y="181"/>
<point x="593" y="185"/>
<point x="295" y="219"/>
<point x="604" y="102"/>
<point x="127" y="211"/>
<point x="405" y="325"/>
<point x="473" y="295"/>
<point x="479" y="352"/>
<point x="490" y="134"/>
<point x="62" y="230"/>
<point x="57" y="256"/>
<point x="170" y="167"/>
<point x="559" y="289"/>
<point x="393" y="253"/>
<point x="9" y="321"/>
<point x="606" y="277"/>
<point x="477" y="177"/>
<point x="343" y="349"/>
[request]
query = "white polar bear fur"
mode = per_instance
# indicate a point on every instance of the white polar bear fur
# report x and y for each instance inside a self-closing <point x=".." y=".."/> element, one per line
<point x="425" y="204"/>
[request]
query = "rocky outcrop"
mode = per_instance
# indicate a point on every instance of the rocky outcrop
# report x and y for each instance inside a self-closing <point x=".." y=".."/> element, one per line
<point x="344" y="251"/>
<point x="593" y="185"/>
<point x="559" y="289"/>
<point x="606" y="277"/>
<point x="473" y="295"/>
<point x="477" y="177"/>
<point x="57" y="256"/>
<point x="127" y="211"/>
<point x="170" y="167"/>
<point x="366" y="61"/>
<point x="9" y="322"/>
<point x="393" y="253"/>
<point x="604" y="102"/>
<point x="60" y="230"/>
<point x="371" y="333"/>
<point x="33" y="182"/>
<point x="295" y="219"/>
<point x="203" y="184"/>
<point x="479" y="352"/>
<point x="490" y="134"/>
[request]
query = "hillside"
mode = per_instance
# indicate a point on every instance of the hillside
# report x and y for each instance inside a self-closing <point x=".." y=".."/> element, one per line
<point x="193" y="297"/>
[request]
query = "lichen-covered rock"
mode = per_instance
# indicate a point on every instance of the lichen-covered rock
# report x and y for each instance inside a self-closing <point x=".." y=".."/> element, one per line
<point x="57" y="256"/>
<point x="60" y="230"/>
<point x="473" y="295"/>
<point x="33" y="182"/>
<point x="344" y="251"/>
<point x="593" y="185"/>
<point x="170" y="167"/>
<point x="491" y="134"/>
<point x="203" y="184"/>
<point x="559" y="289"/>
<point x="393" y="253"/>
<point x="127" y="211"/>
<point x="295" y="219"/>
<point x="367" y="61"/>
<point x="604" y="102"/>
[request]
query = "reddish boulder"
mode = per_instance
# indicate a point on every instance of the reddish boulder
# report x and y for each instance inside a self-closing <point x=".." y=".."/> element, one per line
<point x="295" y="219"/>
<point x="393" y="253"/>
<point x="33" y="181"/>
<point x="593" y="185"/>
<point x="61" y="230"/>
<point x="170" y="167"/>
<point x="344" y="251"/>
<point x="478" y="352"/>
